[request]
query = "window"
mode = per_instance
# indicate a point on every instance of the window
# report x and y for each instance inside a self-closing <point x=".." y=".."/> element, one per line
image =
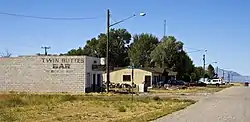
<point x="126" y="77"/>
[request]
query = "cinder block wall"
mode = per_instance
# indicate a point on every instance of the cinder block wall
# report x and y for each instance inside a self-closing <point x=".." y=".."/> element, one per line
<point x="89" y="61"/>
<point x="42" y="74"/>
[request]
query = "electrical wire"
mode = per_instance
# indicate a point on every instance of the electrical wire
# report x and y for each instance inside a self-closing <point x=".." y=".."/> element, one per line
<point x="194" y="51"/>
<point x="114" y="21"/>
<point x="47" y="18"/>
<point x="193" y="48"/>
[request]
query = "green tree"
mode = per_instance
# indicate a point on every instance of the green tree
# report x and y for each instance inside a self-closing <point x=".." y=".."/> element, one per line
<point x="198" y="73"/>
<point x="75" y="52"/>
<point x="96" y="47"/>
<point x="91" y="48"/>
<point x="166" y="52"/>
<point x="210" y="71"/>
<point x="139" y="51"/>
<point x="206" y="76"/>
<point x="170" y="54"/>
<point x="184" y="65"/>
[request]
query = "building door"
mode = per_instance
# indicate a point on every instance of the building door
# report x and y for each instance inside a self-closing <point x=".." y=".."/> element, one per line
<point x="99" y="80"/>
<point x="147" y="81"/>
<point x="94" y="83"/>
<point x="99" y="83"/>
<point x="165" y="77"/>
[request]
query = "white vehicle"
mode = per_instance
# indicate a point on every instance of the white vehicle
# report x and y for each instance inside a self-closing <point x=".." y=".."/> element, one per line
<point x="216" y="82"/>
<point x="213" y="81"/>
<point x="205" y="80"/>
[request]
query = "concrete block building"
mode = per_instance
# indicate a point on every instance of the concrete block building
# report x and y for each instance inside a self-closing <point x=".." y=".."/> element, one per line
<point x="50" y="74"/>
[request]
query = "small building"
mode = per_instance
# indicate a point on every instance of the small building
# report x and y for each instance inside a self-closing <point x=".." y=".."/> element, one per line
<point x="146" y="76"/>
<point x="50" y="74"/>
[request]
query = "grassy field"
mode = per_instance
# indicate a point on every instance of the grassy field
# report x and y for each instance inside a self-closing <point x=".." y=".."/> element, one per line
<point x="208" y="89"/>
<point x="92" y="108"/>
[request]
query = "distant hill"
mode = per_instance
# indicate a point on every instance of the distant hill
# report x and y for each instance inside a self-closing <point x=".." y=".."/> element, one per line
<point x="232" y="75"/>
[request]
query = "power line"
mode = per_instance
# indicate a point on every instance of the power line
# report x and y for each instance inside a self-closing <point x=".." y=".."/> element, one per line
<point x="193" y="48"/>
<point x="112" y="19"/>
<point x="48" y="18"/>
<point x="194" y="51"/>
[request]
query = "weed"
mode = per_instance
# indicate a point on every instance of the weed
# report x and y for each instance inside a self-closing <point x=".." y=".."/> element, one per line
<point x="156" y="98"/>
<point x="16" y="102"/>
<point x="59" y="118"/>
<point x="70" y="98"/>
<point x="122" y="109"/>
<point x="9" y="116"/>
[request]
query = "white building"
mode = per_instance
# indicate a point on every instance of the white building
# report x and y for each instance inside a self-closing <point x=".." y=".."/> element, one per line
<point x="50" y="74"/>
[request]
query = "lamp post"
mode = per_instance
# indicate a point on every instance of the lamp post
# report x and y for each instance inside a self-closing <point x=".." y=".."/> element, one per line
<point x="107" y="46"/>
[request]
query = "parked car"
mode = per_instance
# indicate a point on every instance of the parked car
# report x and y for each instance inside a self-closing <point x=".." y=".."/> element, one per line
<point x="216" y="82"/>
<point x="199" y="83"/>
<point x="177" y="83"/>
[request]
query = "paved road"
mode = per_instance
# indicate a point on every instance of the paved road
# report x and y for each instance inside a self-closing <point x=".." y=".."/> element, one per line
<point x="229" y="105"/>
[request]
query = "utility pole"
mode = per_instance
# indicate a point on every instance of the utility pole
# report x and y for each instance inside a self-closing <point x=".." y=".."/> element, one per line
<point x="223" y="74"/>
<point x="107" y="50"/>
<point x="217" y="69"/>
<point x="45" y="50"/>
<point x="204" y="66"/>
<point x="164" y="28"/>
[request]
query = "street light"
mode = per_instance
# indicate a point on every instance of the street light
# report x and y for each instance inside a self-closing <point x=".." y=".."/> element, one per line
<point x="107" y="46"/>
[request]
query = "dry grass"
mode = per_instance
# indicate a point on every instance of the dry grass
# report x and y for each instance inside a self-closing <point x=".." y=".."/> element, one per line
<point x="94" y="108"/>
<point x="208" y="89"/>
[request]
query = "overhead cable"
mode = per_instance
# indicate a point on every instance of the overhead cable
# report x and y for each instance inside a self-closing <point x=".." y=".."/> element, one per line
<point x="48" y="18"/>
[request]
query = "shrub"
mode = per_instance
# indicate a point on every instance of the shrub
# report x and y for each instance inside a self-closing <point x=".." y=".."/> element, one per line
<point x="16" y="101"/>
<point x="156" y="98"/>
<point x="122" y="109"/>
<point x="70" y="98"/>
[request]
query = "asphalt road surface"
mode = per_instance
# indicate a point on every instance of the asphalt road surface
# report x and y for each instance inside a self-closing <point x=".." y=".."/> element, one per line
<point x="229" y="105"/>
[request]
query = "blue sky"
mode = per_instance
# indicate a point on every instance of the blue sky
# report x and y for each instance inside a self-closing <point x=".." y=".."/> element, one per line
<point x="220" y="26"/>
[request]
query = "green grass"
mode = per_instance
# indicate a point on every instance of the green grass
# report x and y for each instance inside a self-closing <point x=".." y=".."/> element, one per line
<point x="90" y="107"/>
